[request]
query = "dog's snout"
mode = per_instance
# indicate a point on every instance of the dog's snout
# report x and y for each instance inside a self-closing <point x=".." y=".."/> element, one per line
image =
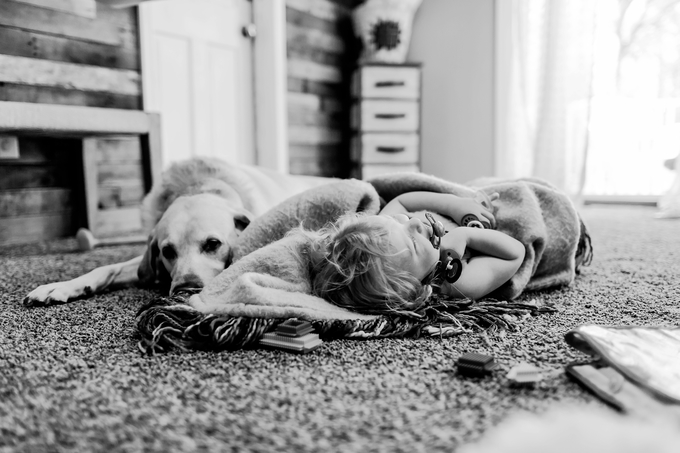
<point x="191" y="284"/>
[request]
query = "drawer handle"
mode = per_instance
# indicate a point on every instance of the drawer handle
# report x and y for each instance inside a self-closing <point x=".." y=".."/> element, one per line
<point x="390" y="116"/>
<point x="390" y="149"/>
<point x="390" y="83"/>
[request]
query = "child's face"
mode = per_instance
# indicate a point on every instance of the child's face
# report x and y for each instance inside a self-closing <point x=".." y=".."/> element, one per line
<point x="410" y="239"/>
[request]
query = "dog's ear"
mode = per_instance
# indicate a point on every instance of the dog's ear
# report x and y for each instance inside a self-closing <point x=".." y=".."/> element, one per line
<point x="242" y="220"/>
<point x="151" y="271"/>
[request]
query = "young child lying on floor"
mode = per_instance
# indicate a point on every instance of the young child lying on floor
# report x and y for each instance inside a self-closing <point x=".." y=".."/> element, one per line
<point x="391" y="261"/>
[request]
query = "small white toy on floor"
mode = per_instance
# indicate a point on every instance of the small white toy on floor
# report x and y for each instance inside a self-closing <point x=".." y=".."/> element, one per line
<point x="580" y="429"/>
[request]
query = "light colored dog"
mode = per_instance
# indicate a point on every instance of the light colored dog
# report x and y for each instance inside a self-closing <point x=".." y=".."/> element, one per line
<point x="194" y="215"/>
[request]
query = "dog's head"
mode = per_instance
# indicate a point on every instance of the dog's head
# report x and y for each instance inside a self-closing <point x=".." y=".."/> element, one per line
<point x="192" y="242"/>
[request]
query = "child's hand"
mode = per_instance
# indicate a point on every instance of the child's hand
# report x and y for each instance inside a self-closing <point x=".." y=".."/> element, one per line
<point x="467" y="206"/>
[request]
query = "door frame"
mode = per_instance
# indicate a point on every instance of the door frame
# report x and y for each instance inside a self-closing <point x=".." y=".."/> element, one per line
<point x="269" y="84"/>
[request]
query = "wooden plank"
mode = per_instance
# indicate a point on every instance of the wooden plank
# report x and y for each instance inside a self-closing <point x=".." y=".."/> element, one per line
<point x="39" y="151"/>
<point x="323" y="9"/>
<point x="51" y="95"/>
<point x="314" y="87"/>
<point x="307" y="117"/>
<point x="306" y="20"/>
<point x="9" y="148"/>
<point x="24" y="229"/>
<point x="310" y="70"/>
<point x="120" y="192"/>
<point x="303" y="100"/>
<point x="299" y="38"/>
<point x="311" y="135"/>
<point x="24" y="43"/>
<point x="336" y="152"/>
<point x="114" y="222"/>
<point x="31" y="71"/>
<point x="326" y="168"/>
<point x="123" y="149"/>
<point x="90" y="182"/>
<point x="331" y="105"/>
<point x="106" y="172"/>
<point x="82" y="8"/>
<point x="67" y="119"/>
<point x="27" y="17"/>
<point x="318" y="56"/>
<point x="34" y="201"/>
<point x="152" y="153"/>
<point x="20" y="177"/>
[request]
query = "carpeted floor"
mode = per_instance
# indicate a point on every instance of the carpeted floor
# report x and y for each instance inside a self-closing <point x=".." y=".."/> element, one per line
<point x="72" y="378"/>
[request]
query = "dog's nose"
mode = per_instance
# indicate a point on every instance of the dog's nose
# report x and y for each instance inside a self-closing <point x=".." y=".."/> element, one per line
<point x="190" y="286"/>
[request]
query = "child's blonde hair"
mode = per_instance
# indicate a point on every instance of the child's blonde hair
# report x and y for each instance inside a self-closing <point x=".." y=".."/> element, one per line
<point x="349" y="269"/>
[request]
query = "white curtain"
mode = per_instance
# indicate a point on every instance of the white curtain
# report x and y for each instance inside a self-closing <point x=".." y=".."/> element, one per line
<point x="544" y="72"/>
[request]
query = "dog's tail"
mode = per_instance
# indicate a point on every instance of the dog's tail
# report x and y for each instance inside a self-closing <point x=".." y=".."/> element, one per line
<point x="584" y="249"/>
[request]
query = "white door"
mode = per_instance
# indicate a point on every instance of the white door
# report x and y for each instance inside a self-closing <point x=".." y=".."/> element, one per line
<point x="198" y="74"/>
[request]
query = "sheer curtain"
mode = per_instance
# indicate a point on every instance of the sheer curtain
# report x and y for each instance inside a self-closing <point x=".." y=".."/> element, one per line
<point x="544" y="69"/>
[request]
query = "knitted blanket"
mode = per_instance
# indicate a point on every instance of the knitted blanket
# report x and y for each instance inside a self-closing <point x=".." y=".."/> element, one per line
<point x="269" y="280"/>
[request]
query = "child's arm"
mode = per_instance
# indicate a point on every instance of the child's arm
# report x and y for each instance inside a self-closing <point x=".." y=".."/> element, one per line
<point x="442" y="203"/>
<point x="498" y="260"/>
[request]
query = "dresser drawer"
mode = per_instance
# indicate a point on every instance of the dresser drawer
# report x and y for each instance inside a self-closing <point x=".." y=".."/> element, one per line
<point x="387" y="82"/>
<point x="388" y="116"/>
<point x="378" y="148"/>
<point x="372" y="170"/>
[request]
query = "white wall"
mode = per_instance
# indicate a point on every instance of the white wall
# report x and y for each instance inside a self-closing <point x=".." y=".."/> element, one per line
<point x="454" y="40"/>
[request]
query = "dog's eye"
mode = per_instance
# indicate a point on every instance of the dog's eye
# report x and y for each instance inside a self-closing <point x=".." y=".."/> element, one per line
<point x="169" y="252"/>
<point x="211" y="245"/>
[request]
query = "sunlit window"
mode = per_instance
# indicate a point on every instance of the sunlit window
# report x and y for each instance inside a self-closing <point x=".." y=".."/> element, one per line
<point x="635" y="110"/>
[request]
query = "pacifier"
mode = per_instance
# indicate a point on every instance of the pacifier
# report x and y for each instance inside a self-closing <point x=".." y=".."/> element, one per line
<point x="438" y="230"/>
<point x="450" y="266"/>
<point x="471" y="221"/>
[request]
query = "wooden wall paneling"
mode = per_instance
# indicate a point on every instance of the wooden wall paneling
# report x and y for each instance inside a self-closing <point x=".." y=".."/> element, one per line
<point x="19" y="177"/>
<point x="37" y="198"/>
<point x="317" y="160"/>
<point x="118" y="170"/>
<point x="24" y="43"/>
<point x="307" y="117"/>
<point x="29" y="17"/>
<point x="321" y="56"/>
<point x="82" y="8"/>
<point x="115" y="222"/>
<point x="323" y="9"/>
<point x="17" y="230"/>
<point x="314" y="135"/>
<point x="114" y="184"/>
<point x="300" y="38"/>
<point x="72" y="120"/>
<point x="53" y="95"/>
<point x="296" y="85"/>
<point x="117" y="149"/>
<point x="14" y="203"/>
<point x="31" y="71"/>
<point x="89" y="173"/>
<point x="312" y="71"/>
<point x="305" y="19"/>
<point x="151" y="146"/>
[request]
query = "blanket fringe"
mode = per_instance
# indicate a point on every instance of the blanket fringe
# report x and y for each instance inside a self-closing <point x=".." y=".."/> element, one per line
<point x="168" y="323"/>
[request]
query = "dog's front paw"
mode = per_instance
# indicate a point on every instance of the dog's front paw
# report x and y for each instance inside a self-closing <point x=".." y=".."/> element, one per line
<point x="53" y="293"/>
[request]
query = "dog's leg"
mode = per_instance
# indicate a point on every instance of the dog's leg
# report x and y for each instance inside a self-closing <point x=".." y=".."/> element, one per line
<point x="94" y="282"/>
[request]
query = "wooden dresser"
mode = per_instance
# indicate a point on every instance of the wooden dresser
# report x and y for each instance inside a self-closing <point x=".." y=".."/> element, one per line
<point x="385" y="119"/>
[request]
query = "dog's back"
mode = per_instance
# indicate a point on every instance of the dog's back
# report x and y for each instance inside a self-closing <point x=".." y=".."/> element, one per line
<point x="254" y="189"/>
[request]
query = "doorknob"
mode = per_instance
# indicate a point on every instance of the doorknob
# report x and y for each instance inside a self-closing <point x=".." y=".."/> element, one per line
<point x="249" y="31"/>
